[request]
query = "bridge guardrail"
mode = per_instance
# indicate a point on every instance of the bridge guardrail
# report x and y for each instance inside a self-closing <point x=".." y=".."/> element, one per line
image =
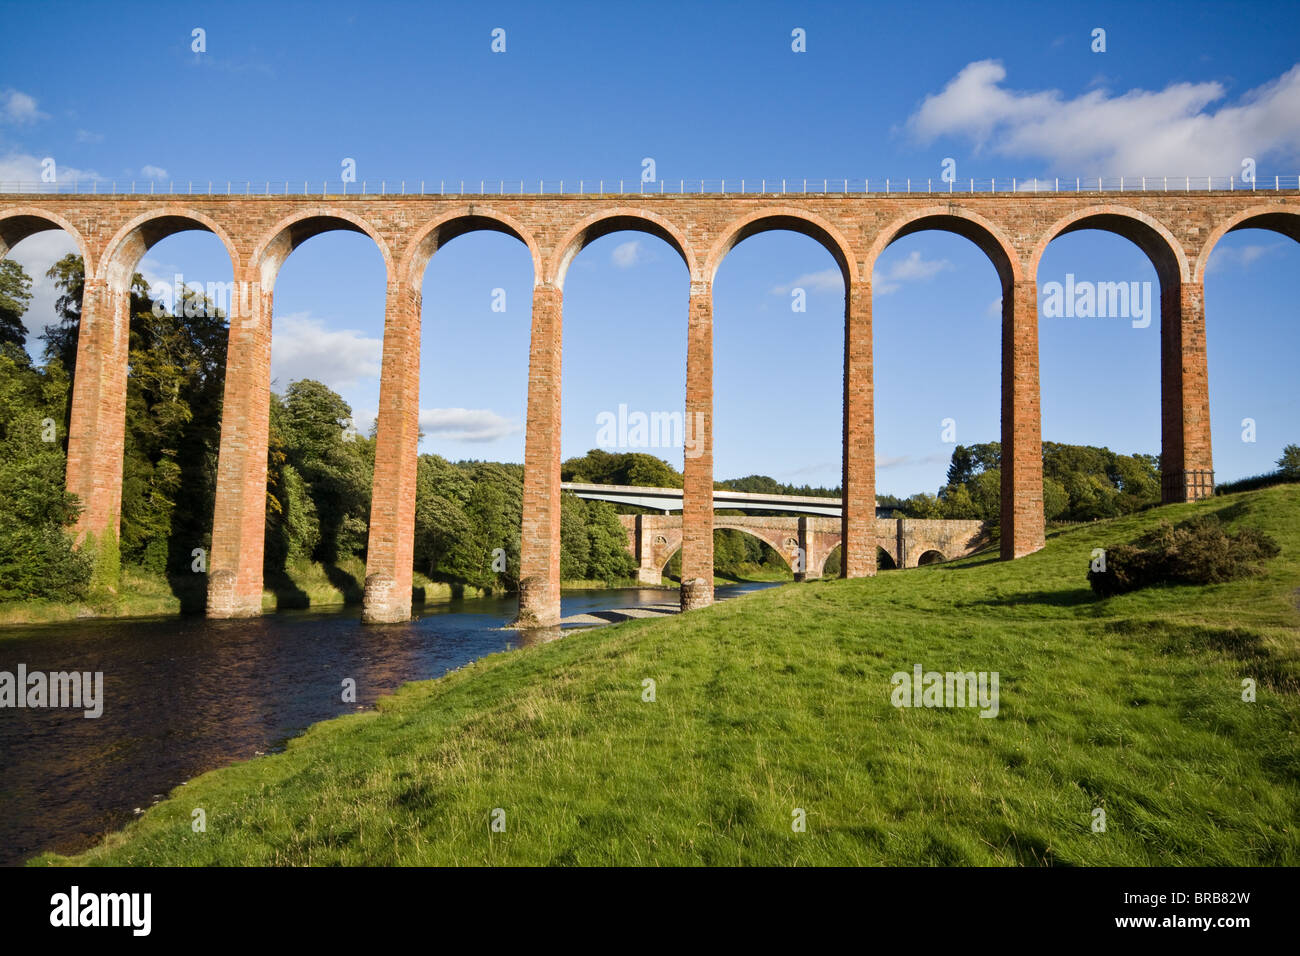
<point x="884" y="186"/>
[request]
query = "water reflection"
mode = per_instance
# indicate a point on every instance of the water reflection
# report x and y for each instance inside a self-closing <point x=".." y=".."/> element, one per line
<point x="183" y="696"/>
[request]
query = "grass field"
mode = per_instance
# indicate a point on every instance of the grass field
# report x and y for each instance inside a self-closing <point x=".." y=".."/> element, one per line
<point x="780" y="701"/>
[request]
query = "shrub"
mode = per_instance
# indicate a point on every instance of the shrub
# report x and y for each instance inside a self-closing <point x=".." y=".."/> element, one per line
<point x="1198" y="551"/>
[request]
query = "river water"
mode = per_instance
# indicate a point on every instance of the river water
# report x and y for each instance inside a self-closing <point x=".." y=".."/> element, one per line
<point x="186" y="695"/>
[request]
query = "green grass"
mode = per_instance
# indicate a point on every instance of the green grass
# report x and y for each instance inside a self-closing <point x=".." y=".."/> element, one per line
<point x="780" y="700"/>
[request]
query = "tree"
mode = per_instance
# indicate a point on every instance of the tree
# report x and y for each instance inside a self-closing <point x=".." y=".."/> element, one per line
<point x="1289" y="463"/>
<point x="575" y="544"/>
<point x="15" y="296"/>
<point x="608" y="557"/>
<point x="37" y="558"/>
<point x="335" y="463"/>
<point x="69" y="275"/>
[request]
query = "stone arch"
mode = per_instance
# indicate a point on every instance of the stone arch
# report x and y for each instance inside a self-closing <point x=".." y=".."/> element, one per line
<point x="129" y="244"/>
<point x="1272" y="216"/>
<point x="891" y="554"/>
<point x="929" y="556"/>
<point x="774" y="538"/>
<point x="474" y="218"/>
<point x="1146" y="232"/>
<point x="817" y="565"/>
<point x="19" y="223"/>
<point x="293" y="230"/>
<point x="790" y="219"/>
<point x="620" y="219"/>
<point x="818" y="556"/>
<point x="987" y="236"/>
<point x="662" y="551"/>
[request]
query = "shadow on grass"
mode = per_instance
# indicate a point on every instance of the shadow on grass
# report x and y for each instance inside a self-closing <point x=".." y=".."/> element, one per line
<point x="352" y="589"/>
<point x="1071" y="597"/>
<point x="286" y="591"/>
<point x="191" y="590"/>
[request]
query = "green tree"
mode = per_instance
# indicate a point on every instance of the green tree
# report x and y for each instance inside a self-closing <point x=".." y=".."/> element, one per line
<point x="608" y="558"/>
<point x="37" y="558"/>
<point x="335" y="463"/>
<point x="15" y="296"/>
<point x="1289" y="463"/>
<point x="575" y="544"/>
<point x="69" y="275"/>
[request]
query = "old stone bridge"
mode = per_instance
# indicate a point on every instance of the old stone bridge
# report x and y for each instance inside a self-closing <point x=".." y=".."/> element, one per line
<point x="805" y="542"/>
<point x="1175" y="226"/>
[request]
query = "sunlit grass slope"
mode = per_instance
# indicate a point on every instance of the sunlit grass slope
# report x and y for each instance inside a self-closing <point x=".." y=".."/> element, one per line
<point x="780" y="701"/>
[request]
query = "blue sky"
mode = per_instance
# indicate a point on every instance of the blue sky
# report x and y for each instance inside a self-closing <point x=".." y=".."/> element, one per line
<point x="586" y="91"/>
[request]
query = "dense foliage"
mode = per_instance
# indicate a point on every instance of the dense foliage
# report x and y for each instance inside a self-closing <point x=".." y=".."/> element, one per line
<point x="1199" y="551"/>
<point x="1080" y="483"/>
<point x="37" y="559"/>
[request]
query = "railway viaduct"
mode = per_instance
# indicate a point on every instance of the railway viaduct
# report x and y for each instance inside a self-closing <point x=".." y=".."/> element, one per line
<point x="1177" y="229"/>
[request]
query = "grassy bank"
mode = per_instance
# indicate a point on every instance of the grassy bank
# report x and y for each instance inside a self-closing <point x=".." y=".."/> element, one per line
<point x="303" y="584"/>
<point x="780" y="701"/>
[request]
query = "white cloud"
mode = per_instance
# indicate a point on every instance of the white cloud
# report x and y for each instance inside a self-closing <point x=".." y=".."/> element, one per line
<point x="1171" y="131"/>
<point x="1241" y="257"/>
<point x="301" y="347"/>
<point x="18" y="107"/>
<point x="628" y="254"/>
<point x="153" y="172"/>
<point x="908" y="461"/>
<point x="466" y="424"/>
<point x="912" y="269"/>
<point x="26" y="168"/>
<point x="828" y="280"/>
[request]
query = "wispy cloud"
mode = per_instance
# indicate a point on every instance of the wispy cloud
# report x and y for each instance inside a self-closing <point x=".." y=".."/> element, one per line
<point x="628" y="254"/>
<point x="914" y="268"/>
<point x="466" y="424"/>
<point x="1242" y="257"/>
<point x="828" y="280"/>
<point x="24" y="168"/>
<point x="18" y="108"/>
<point x="302" y="347"/>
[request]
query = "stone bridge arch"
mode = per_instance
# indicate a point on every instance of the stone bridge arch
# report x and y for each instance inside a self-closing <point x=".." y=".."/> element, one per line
<point x="619" y="219"/>
<point x="17" y="223"/>
<point x="238" y="533"/>
<point x="858" y="446"/>
<point x="390" y="547"/>
<point x="97" y="417"/>
<point x="1186" y="461"/>
<point x="1276" y="217"/>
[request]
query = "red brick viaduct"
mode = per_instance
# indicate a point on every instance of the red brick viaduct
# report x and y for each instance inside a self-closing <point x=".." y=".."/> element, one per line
<point x="1177" y="231"/>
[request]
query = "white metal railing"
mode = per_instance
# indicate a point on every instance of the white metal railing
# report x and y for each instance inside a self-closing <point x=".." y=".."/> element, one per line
<point x="634" y="186"/>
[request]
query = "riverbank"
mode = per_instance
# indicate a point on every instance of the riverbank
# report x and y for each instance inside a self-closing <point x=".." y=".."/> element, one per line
<point x="305" y="585"/>
<point x="701" y="738"/>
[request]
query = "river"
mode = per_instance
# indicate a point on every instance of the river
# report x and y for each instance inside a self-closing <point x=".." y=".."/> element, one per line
<point x="186" y="695"/>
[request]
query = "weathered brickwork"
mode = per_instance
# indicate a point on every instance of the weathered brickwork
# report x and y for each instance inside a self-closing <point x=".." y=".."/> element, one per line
<point x="1176" y="230"/>
<point x="804" y="542"/>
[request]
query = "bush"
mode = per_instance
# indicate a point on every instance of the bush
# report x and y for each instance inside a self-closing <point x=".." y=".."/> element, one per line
<point x="1198" y="551"/>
